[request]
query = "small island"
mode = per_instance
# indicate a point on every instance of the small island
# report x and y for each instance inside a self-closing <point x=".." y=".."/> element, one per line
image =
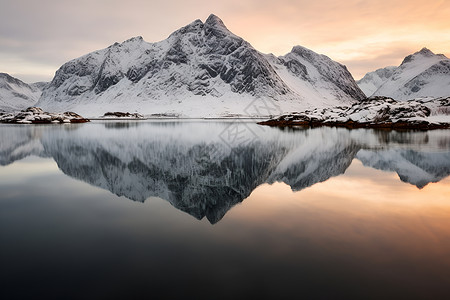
<point x="35" y="115"/>
<point x="122" y="115"/>
<point x="374" y="112"/>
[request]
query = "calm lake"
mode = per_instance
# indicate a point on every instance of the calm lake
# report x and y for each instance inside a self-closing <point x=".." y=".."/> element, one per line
<point x="222" y="210"/>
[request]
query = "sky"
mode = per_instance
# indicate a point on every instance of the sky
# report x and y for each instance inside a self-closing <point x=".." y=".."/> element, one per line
<point x="37" y="37"/>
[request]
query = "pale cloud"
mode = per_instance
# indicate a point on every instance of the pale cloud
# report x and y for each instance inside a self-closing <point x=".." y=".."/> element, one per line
<point x="48" y="33"/>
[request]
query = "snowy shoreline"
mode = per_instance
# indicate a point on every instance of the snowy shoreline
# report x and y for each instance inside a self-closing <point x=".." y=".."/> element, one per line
<point x="35" y="115"/>
<point x="374" y="112"/>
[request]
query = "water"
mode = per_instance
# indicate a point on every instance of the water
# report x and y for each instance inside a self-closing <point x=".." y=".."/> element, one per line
<point x="211" y="210"/>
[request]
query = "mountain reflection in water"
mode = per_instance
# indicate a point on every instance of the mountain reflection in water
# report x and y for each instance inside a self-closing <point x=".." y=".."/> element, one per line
<point x="205" y="168"/>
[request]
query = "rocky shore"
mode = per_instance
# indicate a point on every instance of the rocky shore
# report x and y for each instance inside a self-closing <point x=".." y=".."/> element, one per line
<point x="374" y="112"/>
<point x="35" y="115"/>
<point x="122" y="115"/>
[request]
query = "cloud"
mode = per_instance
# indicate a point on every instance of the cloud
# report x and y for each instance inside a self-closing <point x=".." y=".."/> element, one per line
<point x="51" y="32"/>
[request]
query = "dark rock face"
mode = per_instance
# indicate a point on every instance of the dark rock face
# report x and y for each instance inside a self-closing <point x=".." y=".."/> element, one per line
<point x="207" y="49"/>
<point x="118" y="114"/>
<point x="296" y="68"/>
<point x="417" y="83"/>
<point x="332" y="72"/>
<point x="35" y="115"/>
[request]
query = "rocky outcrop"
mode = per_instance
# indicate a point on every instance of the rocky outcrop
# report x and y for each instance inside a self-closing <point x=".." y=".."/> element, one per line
<point x="122" y="115"/>
<point x="35" y="115"/>
<point x="375" y="112"/>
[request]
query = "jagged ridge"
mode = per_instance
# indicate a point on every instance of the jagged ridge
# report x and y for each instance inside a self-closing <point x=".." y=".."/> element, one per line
<point x="201" y="65"/>
<point x="422" y="74"/>
<point x="16" y="94"/>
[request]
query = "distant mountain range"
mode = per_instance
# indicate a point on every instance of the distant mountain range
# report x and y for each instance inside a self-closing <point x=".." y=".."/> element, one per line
<point x="16" y="94"/>
<point x="422" y="74"/>
<point x="204" y="70"/>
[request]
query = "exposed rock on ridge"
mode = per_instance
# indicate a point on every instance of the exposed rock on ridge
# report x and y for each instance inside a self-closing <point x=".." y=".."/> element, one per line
<point x="200" y="70"/>
<point x="422" y="74"/>
<point x="375" y="112"/>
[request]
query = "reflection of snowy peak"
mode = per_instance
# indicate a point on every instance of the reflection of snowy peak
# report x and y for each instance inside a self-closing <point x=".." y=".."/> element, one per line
<point x="16" y="94"/>
<point x="17" y="143"/>
<point x="315" y="159"/>
<point x="200" y="178"/>
<point x="200" y="70"/>
<point x="418" y="168"/>
<point x="422" y="74"/>
<point x="201" y="169"/>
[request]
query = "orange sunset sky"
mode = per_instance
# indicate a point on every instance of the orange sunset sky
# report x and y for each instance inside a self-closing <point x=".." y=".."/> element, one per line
<point x="37" y="37"/>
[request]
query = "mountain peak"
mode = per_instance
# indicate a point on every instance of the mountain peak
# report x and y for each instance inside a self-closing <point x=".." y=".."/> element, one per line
<point x="16" y="94"/>
<point x="421" y="74"/>
<point x="5" y="75"/>
<point x="428" y="53"/>
<point x="135" y="39"/>
<point x="425" y="51"/>
<point x="300" y="50"/>
<point x="11" y="79"/>
<point x="201" y="59"/>
<point x="214" y="20"/>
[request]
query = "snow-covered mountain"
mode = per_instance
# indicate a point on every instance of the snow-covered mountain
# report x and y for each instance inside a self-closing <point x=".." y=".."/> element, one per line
<point x="422" y="74"/>
<point x="316" y="76"/>
<point x="200" y="70"/>
<point x="16" y="94"/>
<point x="373" y="80"/>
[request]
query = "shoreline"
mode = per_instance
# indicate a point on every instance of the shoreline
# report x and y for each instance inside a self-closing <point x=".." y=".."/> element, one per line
<point x="355" y="125"/>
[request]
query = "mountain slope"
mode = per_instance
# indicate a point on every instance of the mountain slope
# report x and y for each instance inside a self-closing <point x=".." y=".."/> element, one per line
<point x="373" y="80"/>
<point x="422" y="74"/>
<point x="200" y="70"/>
<point x="16" y="94"/>
<point x="316" y="76"/>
